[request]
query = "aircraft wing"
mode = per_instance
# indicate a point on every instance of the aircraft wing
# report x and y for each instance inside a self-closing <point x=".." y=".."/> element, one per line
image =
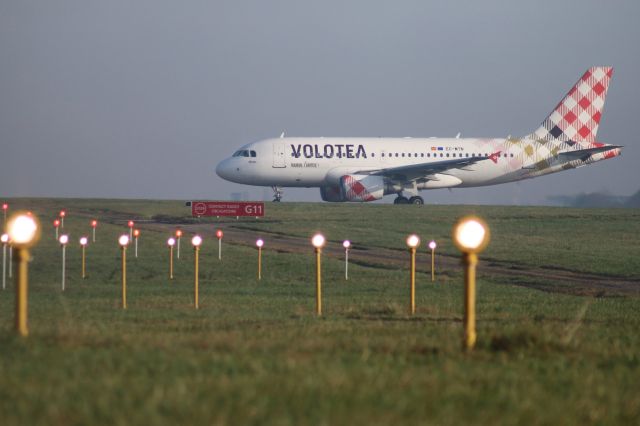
<point x="584" y="154"/>
<point x="416" y="171"/>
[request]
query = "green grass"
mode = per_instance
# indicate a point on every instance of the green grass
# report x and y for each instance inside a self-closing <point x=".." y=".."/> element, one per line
<point x="256" y="354"/>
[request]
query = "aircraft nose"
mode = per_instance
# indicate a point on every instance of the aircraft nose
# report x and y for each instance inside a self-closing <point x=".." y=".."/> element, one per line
<point x="223" y="169"/>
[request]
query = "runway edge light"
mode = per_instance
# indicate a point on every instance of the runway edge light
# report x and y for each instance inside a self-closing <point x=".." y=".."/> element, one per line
<point x="318" y="242"/>
<point x="413" y="241"/>
<point x="24" y="232"/>
<point x="471" y="236"/>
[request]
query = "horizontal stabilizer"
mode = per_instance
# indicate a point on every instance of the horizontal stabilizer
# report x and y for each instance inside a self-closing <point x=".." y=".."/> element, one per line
<point x="585" y="153"/>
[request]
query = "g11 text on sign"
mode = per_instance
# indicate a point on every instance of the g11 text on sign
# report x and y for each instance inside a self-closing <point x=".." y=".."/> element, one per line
<point x="227" y="208"/>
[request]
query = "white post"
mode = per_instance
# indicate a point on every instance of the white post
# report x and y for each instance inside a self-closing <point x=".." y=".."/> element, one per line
<point x="10" y="259"/>
<point x="64" y="250"/>
<point x="219" y="248"/>
<point x="4" y="266"/>
<point x="346" y="264"/>
<point x="94" y="234"/>
<point x="178" y="252"/>
<point x="136" y="247"/>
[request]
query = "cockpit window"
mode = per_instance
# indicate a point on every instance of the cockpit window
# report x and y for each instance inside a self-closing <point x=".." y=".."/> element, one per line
<point x="243" y="153"/>
<point x="253" y="153"/>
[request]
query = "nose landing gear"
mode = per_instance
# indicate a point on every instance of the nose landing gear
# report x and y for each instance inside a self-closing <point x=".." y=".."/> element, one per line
<point x="277" y="194"/>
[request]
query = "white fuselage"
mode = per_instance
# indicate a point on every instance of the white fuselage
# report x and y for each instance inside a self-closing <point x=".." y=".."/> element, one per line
<point x="313" y="162"/>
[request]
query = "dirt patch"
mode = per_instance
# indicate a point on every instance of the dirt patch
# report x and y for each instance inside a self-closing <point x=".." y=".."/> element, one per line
<point x="545" y="279"/>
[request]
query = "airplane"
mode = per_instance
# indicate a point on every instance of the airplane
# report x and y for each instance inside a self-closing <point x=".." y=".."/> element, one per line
<point x="367" y="169"/>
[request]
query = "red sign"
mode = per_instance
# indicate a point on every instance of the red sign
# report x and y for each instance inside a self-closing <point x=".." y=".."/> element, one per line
<point x="227" y="208"/>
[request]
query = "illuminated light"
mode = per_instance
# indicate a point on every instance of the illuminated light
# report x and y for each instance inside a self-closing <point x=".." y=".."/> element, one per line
<point x="136" y="233"/>
<point x="23" y="230"/>
<point x="5" y="206"/>
<point x="84" y="241"/>
<point x="4" y="238"/>
<point x="123" y="240"/>
<point x="196" y="240"/>
<point x="56" y="223"/>
<point x="346" y="244"/>
<point x="130" y="224"/>
<point x="94" y="223"/>
<point x="171" y="242"/>
<point x="63" y="213"/>
<point x="471" y="235"/>
<point x="260" y="243"/>
<point x="178" y="233"/>
<point x="219" y="233"/>
<point x="432" y="245"/>
<point x="318" y="241"/>
<point x="64" y="239"/>
<point x="413" y="241"/>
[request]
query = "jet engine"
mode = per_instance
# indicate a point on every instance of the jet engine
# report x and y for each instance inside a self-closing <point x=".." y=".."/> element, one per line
<point x="331" y="193"/>
<point x="362" y="187"/>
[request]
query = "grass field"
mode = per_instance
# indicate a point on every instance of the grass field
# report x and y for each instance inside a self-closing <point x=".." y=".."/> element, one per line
<point x="255" y="353"/>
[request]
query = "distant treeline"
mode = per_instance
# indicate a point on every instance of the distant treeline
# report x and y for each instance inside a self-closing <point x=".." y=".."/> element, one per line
<point x="597" y="199"/>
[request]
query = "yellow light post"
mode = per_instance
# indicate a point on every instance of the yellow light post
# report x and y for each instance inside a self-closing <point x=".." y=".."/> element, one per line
<point x="64" y="239"/>
<point x="178" y="238"/>
<point x="260" y="244"/>
<point x="413" y="241"/>
<point x="124" y="242"/>
<point x="83" y="245"/>
<point x="432" y="246"/>
<point x="24" y="232"/>
<point x="471" y="236"/>
<point x="94" y="224"/>
<point x="318" y="242"/>
<point x="5" y="241"/>
<point x="62" y="215"/>
<point x="346" y="244"/>
<point x="171" y="242"/>
<point x="196" y="241"/>
<point x="219" y="235"/>
<point x="56" y="224"/>
<point x="136" y="234"/>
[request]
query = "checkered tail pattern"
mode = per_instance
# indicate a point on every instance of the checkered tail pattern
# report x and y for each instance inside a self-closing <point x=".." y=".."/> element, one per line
<point x="577" y="116"/>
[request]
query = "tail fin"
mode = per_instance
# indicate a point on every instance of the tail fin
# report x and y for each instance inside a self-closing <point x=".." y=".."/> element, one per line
<point x="577" y="116"/>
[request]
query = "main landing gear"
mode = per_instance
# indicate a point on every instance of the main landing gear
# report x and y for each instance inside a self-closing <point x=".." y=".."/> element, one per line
<point x="277" y="194"/>
<point x="404" y="200"/>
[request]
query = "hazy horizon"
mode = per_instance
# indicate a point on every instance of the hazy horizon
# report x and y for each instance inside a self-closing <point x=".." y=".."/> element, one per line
<point x="142" y="99"/>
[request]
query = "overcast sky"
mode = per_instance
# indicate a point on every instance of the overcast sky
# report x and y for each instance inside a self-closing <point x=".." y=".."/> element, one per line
<point x="143" y="98"/>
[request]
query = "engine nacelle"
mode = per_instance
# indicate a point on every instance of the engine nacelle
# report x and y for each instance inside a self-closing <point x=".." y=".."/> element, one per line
<point x="362" y="187"/>
<point x="331" y="193"/>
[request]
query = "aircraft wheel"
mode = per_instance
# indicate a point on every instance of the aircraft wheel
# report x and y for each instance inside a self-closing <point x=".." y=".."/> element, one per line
<point x="401" y="200"/>
<point x="416" y="200"/>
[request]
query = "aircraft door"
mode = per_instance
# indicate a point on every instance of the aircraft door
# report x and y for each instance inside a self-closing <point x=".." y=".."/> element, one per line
<point x="279" y="155"/>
